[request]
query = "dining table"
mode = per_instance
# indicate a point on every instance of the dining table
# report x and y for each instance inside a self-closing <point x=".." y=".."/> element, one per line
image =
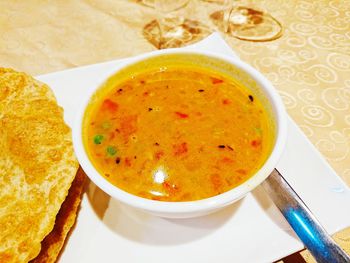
<point x="308" y="63"/>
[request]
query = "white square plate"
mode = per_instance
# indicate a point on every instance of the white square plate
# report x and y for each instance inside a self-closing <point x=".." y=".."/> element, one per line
<point x="251" y="230"/>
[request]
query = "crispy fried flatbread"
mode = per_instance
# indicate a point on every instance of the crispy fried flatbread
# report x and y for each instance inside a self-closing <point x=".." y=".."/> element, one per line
<point x="37" y="164"/>
<point x="52" y="244"/>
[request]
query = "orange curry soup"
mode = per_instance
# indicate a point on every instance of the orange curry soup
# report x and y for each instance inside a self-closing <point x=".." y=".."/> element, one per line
<point x="177" y="134"/>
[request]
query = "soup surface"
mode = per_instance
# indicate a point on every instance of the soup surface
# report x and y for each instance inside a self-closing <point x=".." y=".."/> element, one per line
<point x="177" y="134"/>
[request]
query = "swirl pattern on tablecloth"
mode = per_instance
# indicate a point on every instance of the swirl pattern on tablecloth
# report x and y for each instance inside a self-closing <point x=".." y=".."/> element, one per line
<point x="310" y="66"/>
<point x="288" y="100"/>
<point x="306" y="96"/>
<point x="337" y="99"/>
<point x="329" y="145"/>
<point x="317" y="116"/>
<point x="339" y="61"/>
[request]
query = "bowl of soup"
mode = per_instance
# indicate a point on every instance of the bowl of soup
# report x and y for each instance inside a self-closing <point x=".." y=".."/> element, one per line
<point x="180" y="133"/>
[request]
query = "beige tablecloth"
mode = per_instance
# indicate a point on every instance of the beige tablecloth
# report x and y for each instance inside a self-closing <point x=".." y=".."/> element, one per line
<point x="309" y="64"/>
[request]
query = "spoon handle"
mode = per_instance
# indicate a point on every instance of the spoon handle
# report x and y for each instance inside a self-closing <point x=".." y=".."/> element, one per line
<point x="303" y="222"/>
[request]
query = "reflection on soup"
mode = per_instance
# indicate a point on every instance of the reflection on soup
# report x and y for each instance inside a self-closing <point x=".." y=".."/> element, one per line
<point x="177" y="134"/>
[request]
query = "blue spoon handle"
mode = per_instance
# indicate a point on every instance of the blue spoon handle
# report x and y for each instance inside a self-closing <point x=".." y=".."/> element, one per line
<point x="303" y="222"/>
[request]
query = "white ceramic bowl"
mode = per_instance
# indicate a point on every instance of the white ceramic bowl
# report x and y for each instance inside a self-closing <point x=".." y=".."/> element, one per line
<point x="250" y="77"/>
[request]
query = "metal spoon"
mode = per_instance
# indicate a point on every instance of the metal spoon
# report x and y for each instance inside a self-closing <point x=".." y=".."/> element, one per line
<point x="304" y="223"/>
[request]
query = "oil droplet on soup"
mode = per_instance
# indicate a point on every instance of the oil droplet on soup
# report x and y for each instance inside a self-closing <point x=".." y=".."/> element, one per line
<point x="177" y="134"/>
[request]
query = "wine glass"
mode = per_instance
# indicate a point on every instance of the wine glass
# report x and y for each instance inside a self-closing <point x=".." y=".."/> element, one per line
<point x="172" y="29"/>
<point x="245" y="22"/>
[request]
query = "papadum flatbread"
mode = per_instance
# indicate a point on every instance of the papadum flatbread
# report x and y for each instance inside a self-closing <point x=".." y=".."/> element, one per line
<point x="52" y="244"/>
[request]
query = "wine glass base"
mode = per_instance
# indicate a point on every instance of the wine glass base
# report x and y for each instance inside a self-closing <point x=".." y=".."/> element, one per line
<point x="247" y="24"/>
<point x="170" y="32"/>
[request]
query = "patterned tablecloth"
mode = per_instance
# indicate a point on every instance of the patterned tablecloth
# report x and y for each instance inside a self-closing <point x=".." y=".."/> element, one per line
<point x="309" y="64"/>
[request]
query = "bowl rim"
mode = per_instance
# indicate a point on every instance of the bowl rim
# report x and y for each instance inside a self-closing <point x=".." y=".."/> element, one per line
<point x="196" y="206"/>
